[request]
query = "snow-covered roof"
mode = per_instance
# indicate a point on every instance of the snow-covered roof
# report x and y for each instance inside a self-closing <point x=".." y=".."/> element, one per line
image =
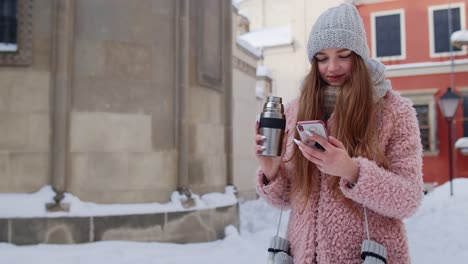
<point x="263" y="71"/>
<point x="459" y="38"/>
<point x="251" y="49"/>
<point x="269" y="37"/>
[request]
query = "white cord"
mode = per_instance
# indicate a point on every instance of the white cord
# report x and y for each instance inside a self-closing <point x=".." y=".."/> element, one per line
<point x="366" y="223"/>
<point x="279" y="222"/>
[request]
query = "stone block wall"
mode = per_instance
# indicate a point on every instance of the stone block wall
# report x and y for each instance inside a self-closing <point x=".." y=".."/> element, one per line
<point x="123" y="102"/>
<point x="25" y="108"/>
<point x="178" y="227"/>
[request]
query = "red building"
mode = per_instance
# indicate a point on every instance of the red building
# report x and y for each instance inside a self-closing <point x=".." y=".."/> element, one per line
<point x="413" y="39"/>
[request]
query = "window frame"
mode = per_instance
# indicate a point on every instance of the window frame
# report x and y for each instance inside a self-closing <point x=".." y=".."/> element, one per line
<point x="427" y="97"/>
<point x="431" y="9"/>
<point x="464" y="93"/>
<point x="373" y="17"/>
<point x="11" y="47"/>
<point x="23" y="54"/>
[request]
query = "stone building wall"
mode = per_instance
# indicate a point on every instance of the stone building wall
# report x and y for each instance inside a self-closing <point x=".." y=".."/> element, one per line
<point x="25" y="104"/>
<point x="121" y="102"/>
<point x="246" y="106"/>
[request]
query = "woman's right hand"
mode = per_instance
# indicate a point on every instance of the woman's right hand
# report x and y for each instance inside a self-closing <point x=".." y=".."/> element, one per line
<point x="268" y="164"/>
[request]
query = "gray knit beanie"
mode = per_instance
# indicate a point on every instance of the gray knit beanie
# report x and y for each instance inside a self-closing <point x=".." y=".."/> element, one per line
<point x="338" y="27"/>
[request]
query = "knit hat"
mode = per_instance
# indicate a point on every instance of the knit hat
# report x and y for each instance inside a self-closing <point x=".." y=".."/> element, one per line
<point x="338" y="27"/>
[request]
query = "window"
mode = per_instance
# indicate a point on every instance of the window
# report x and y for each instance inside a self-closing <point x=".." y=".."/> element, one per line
<point x="8" y="26"/>
<point x="439" y="23"/>
<point x="16" y="32"/>
<point x="423" y="120"/>
<point x="465" y="116"/>
<point x="465" y="111"/>
<point x="425" y="105"/>
<point x="388" y="35"/>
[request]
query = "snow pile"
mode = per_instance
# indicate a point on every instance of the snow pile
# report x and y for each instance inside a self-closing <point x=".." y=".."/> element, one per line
<point x="269" y="37"/>
<point x="438" y="231"/>
<point x="33" y="205"/>
<point x="257" y="216"/>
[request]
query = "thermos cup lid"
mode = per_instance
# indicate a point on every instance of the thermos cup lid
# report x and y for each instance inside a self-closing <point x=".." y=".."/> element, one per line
<point x="273" y="104"/>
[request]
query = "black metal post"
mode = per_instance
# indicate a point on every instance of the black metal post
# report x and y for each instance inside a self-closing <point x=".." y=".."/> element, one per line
<point x="449" y="124"/>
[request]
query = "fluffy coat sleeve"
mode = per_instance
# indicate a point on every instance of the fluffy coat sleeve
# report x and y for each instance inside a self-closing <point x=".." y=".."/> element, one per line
<point x="395" y="192"/>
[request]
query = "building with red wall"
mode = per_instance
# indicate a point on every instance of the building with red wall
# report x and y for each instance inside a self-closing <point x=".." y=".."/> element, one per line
<point x="413" y="39"/>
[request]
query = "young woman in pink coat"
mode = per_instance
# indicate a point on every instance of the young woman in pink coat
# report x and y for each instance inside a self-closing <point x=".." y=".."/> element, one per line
<point x="372" y="158"/>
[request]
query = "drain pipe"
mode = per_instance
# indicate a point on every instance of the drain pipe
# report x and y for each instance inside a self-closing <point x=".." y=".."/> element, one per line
<point x="228" y="93"/>
<point x="182" y="59"/>
<point x="62" y="69"/>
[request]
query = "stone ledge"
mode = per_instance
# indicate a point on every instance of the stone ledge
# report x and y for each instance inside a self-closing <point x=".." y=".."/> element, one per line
<point x="177" y="227"/>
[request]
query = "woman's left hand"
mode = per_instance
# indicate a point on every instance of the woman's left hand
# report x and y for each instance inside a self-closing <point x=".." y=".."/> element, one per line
<point x="333" y="161"/>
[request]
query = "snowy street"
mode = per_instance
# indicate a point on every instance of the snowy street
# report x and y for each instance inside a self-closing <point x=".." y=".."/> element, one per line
<point x="437" y="234"/>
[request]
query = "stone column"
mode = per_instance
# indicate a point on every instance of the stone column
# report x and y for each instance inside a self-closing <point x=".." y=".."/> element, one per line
<point x="61" y="71"/>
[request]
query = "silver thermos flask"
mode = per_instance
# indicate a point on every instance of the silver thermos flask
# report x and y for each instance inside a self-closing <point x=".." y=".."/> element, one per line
<point x="272" y="125"/>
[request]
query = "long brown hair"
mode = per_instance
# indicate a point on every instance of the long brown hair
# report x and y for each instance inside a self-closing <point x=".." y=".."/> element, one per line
<point x="354" y="123"/>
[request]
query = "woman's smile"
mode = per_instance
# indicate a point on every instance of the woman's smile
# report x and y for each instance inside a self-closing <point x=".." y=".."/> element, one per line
<point x="335" y="78"/>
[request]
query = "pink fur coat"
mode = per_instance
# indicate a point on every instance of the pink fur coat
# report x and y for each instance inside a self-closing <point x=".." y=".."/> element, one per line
<point x="329" y="230"/>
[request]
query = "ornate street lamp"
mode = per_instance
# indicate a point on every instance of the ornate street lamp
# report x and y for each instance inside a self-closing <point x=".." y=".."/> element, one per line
<point x="448" y="103"/>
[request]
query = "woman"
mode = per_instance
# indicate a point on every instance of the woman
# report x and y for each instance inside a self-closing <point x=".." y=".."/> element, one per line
<point x="372" y="160"/>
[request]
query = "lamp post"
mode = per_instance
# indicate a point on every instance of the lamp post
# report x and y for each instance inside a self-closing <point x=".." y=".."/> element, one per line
<point x="448" y="105"/>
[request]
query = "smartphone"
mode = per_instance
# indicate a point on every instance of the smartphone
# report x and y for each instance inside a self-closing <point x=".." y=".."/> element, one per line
<point x="316" y="126"/>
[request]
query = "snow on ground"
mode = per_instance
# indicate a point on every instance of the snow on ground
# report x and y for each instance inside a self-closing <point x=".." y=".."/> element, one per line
<point x="437" y="234"/>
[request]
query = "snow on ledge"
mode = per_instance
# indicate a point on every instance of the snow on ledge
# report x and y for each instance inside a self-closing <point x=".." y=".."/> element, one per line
<point x="460" y="36"/>
<point x="263" y="71"/>
<point x="258" y="53"/>
<point x="24" y="205"/>
<point x="236" y="3"/>
<point x="462" y="144"/>
<point x="425" y="64"/>
<point x="8" y="47"/>
<point x="269" y="37"/>
<point x="259" y="92"/>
